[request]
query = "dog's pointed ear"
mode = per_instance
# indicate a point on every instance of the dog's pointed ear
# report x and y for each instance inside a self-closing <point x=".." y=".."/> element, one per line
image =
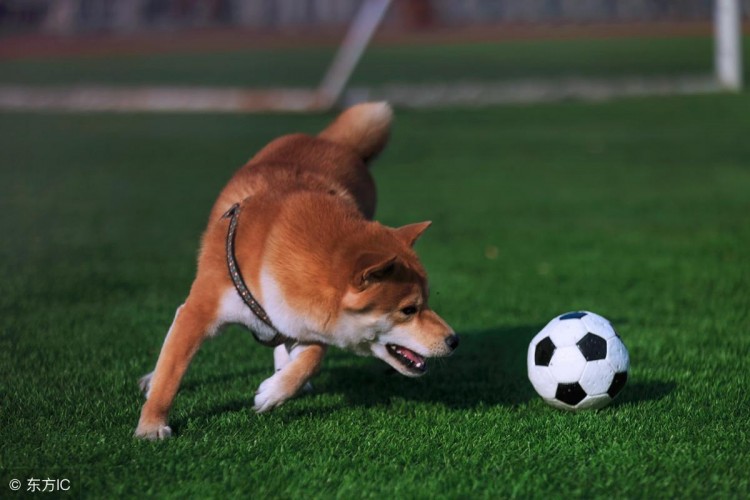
<point x="372" y="267"/>
<point x="410" y="233"/>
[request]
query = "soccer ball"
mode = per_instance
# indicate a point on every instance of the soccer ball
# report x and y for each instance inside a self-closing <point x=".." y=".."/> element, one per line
<point x="578" y="362"/>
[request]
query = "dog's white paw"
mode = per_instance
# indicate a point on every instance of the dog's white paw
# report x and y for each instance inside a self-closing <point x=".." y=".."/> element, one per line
<point x="145" y="384"/>
<point x="153" y="432"/>
<point x="270" y="394"/>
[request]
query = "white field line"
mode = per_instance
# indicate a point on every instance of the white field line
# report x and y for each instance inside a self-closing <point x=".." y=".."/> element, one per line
<point x="429" y="95"/>
<point x="165" y="99"/>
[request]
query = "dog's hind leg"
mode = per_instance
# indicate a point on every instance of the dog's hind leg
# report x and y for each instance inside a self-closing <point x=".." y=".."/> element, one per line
<point x="145" y="381"/>
<point x="304" y="361"/>
<point x="187" y="333"/>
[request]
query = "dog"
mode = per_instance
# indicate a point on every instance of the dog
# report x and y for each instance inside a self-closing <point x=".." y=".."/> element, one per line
<point x="291" y="252"/>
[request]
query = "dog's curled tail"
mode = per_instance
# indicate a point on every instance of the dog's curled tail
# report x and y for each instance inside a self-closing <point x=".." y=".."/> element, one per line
<point x="364" y="128"/>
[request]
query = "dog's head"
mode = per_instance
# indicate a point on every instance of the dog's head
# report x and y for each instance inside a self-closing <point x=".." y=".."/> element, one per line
<point x="386" y="304"/>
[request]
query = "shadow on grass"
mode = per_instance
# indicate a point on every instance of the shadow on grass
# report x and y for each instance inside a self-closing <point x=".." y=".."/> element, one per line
<point x="199" y="382"/>
<point x="488" y="368"/>
<point x="636" y="392"/>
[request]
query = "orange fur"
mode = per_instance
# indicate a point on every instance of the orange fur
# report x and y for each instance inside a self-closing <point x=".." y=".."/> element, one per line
<point x="310" y="253"/>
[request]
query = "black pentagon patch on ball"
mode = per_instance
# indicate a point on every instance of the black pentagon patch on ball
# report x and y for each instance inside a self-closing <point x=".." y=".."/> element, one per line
<point x="618" y="382"/>
<point x="592" y="347"/>
<point x="544" y="351"/>
<point x="571" y="394"/>
<point x="573" y="315"/>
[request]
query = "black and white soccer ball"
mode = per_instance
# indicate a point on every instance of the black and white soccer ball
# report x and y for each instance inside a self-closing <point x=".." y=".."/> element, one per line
<point x="578" y="362"/>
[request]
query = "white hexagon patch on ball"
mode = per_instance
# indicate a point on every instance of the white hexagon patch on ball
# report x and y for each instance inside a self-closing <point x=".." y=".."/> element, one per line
<point x="578" y="362"/>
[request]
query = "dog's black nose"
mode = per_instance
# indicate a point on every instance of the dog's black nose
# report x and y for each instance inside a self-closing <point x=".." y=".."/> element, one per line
<point x="452" y="341"/>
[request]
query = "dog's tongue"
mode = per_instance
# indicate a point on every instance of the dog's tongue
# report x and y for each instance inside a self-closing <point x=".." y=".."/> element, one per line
<point x="413" y="356"/>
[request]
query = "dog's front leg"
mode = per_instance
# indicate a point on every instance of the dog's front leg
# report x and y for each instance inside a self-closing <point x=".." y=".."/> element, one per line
<point x="183" y="340"/>
<point x="281" y="358"/>
<point x="304" y="361"/>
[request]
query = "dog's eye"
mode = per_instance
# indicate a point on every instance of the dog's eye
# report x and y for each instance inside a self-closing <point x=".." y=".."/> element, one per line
<point x="409" y="310"/>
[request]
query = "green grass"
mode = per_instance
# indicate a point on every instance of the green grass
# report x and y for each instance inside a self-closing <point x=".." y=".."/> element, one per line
<point x="637" y="209"/>
<point x="418" y="63"/>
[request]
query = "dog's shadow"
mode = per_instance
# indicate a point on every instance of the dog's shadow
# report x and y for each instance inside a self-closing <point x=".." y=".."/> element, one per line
<point x="488" y="368"/>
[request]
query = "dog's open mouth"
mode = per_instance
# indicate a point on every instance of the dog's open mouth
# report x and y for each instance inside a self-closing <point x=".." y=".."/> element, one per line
<point x="408" y="358"/>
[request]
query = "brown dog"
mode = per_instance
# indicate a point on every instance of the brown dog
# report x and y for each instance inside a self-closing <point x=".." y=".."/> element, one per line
<point x="304" y="267"/>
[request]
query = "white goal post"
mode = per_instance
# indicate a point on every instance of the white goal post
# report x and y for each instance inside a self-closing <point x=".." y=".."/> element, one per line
<point x="360" y="33"/>
<point x="728" y="44"/>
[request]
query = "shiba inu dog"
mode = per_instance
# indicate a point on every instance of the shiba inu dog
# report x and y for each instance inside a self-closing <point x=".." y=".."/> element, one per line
<point x="292" y="253"/>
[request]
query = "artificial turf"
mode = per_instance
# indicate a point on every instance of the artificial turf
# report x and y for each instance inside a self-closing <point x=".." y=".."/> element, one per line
<point x="637" y="209"/>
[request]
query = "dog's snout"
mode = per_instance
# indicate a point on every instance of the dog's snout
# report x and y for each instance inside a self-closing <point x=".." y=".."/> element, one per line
<point x="452" y="341"/>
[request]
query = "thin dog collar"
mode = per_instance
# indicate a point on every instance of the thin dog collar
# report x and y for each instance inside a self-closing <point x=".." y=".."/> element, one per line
<point x="233" y="214"/>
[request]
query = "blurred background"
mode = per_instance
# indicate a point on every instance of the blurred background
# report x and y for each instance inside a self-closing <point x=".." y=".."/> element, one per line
<point x="310" y="54"/>
<point x="329" y="16"/>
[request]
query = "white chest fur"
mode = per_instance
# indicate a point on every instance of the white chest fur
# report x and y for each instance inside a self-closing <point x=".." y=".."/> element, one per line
<point x="233" y="310"/>
<point x="351" y="332"/>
